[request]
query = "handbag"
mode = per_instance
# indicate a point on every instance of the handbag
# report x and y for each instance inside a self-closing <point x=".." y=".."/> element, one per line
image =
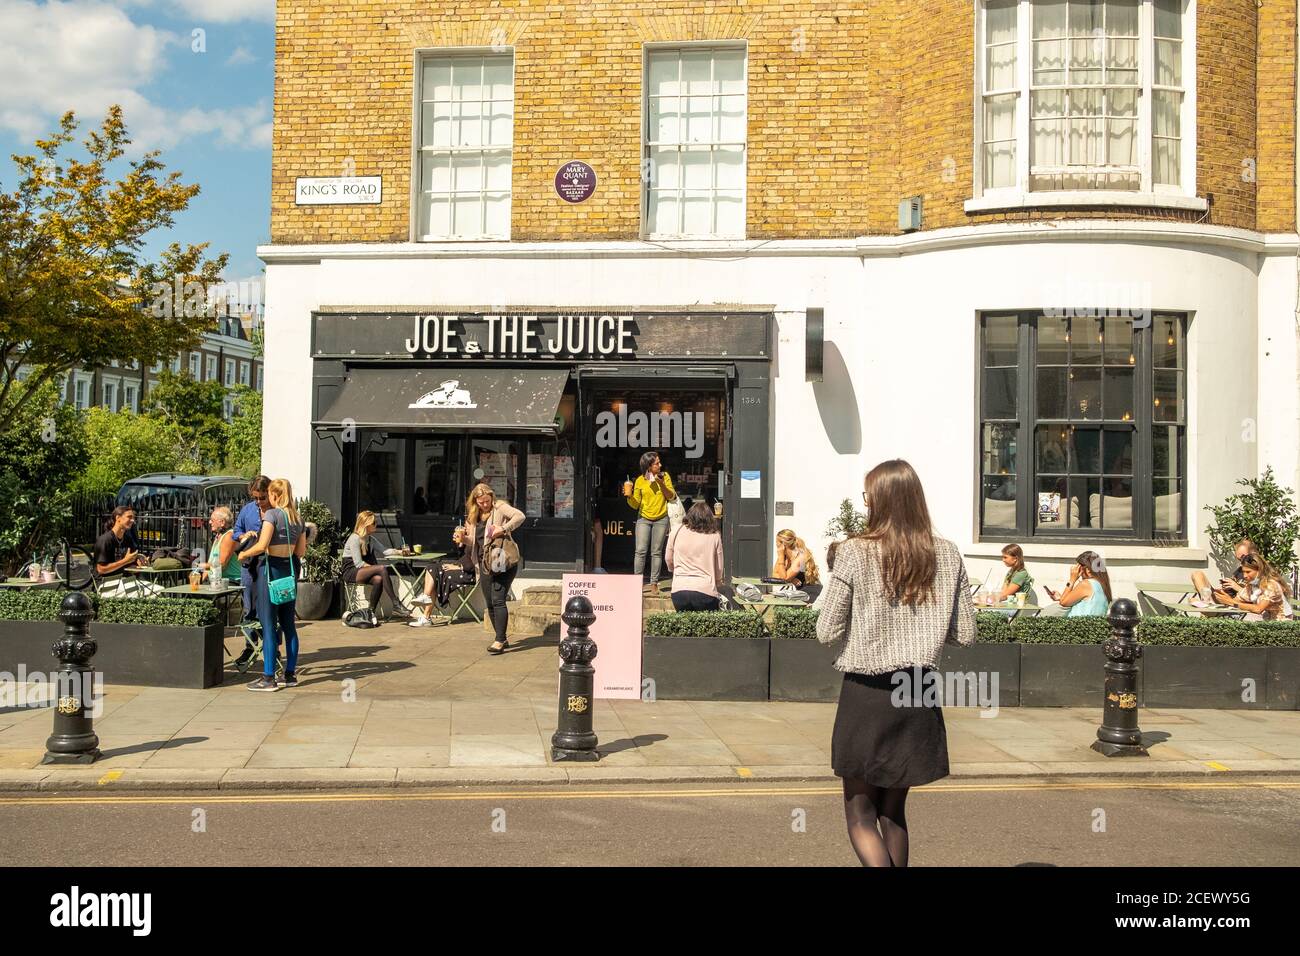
<point x="361" y="617"/>
<point x="282" y="590"/>
<point x="501" y="555"/>
<point x="676" y="513"/>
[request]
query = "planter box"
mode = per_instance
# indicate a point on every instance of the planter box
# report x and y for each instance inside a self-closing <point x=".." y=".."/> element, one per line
<point x="1065" y="675"/>
<point x="985" y="660"/>
<point x="803" y="669"/>
<point x="314" y="600"/>
<point x="706" y="668"/>
<point x="1283" y="679"/>
<point x="1203" y="676"/>
<point x="147" y="656"/>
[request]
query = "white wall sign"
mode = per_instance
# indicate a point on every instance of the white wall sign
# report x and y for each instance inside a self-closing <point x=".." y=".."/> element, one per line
<point x="339" y="191"/>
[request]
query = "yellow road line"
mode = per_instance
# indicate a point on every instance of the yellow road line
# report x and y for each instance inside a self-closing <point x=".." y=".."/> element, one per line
<point x="1215" y="765"/>
<point x="741" y="791"/>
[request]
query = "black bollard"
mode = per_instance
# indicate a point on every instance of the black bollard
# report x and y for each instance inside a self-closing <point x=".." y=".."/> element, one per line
<point x="1118" y="735"/>
<point x="574" y="739"/>
<point x="74" y="739"/>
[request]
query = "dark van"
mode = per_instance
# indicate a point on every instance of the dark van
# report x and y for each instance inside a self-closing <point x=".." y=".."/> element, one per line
<point x="172" y="510"/>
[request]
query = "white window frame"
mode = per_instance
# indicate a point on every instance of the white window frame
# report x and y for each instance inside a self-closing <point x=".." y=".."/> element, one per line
<point x="243" y="373"/>
<point x="431" y="53"/>
<point x="196" y="366"/>
<point x="228" y="373"/>
<point x="81" y="391"/>
<point x="130" y="398"/>
<point x="646" y="50"/>
<point x="210" y="368"/>
<point x="1150" y="195"/>
<point x="110" y="396"/>
<point x="259" y="378"/>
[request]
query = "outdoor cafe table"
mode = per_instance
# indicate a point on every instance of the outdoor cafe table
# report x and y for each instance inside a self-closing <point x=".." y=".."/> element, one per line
<point x="411" y="584"/>
<point x="1011" y="608"/>
<point x="148" y="581"/>
<point x="27" y="584"/>
<point x="1156" y="587"/>
<point x="229" y="592"/>
<point x="1213" y="610"/>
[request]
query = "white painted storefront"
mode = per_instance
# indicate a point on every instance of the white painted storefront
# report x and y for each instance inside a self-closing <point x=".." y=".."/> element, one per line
<point x="901" y="347"/>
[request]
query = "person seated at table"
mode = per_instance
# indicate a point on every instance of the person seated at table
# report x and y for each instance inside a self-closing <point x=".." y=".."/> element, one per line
<point x="1229" y="587"/>
<point x="1263" y="593"/>
<point x="360" y="566"/>
<point x="117" y="548"/>
<point x="448" y="577"/>
<point x="223" y="558"/>
<point x="795" y="564"/>
<point x="694" y="557"/>
<point x="1088" y="593"/>
<point x="1017" y="579"/>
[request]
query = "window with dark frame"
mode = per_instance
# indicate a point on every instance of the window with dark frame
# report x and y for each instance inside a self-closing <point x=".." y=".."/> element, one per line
<point x="1083" y="426"/>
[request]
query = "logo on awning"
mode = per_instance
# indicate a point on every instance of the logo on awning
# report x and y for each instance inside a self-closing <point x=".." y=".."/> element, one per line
<point x="447" y="395"/>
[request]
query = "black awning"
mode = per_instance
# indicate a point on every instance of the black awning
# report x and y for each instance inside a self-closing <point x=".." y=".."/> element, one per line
<point x="448" y="399"/>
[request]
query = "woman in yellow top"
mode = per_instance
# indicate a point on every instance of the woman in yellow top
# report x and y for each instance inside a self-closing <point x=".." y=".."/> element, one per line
<point x="649" y="496"/>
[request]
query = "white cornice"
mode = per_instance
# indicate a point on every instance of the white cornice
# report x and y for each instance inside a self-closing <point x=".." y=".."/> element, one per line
<point x="990" y="234"/>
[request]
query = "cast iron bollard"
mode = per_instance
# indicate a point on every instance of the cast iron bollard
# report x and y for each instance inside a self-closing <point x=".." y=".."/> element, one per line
<point x="574" y="738"/>
<point x="74" y="739"/>
<point x="1118" y="735"/>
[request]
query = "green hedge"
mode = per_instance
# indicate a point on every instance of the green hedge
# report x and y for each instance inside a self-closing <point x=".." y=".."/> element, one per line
<point x="43" y="605"/>
<point x="996" y="628"/>
<point x="704" y="624"/>
<point x="1215" y="632"/>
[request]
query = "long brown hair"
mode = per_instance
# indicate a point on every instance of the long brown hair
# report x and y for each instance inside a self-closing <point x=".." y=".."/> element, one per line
<point x="1017" y="552"/>
<point x="471" y="503"/>
<point x="1092" y="562"/>
<point x="898" y="519"/>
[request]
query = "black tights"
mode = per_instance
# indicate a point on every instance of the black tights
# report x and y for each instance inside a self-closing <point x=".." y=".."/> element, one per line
<point x="877" y="822"/>
<point x="380" y="581"/>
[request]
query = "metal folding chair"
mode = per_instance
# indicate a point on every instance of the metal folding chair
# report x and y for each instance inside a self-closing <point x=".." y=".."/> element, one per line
<point x="461" y="597"/>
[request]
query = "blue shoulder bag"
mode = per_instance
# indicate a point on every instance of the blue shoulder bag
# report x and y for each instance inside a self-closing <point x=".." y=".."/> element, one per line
<point x="283" y="590"/>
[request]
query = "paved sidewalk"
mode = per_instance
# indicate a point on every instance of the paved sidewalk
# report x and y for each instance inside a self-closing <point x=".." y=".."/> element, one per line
<point x="400" y="706"/>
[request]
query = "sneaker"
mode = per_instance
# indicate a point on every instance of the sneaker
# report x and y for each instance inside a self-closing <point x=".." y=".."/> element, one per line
<point x="264" y="683"/>
<point x="287" y="680"/>
<point x="421" y="622"/>
<point x="401" y="610"/>
<point x="423" y="599"/>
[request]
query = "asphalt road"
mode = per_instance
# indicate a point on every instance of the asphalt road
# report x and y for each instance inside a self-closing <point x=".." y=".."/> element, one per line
<point x="1167" y="823"/>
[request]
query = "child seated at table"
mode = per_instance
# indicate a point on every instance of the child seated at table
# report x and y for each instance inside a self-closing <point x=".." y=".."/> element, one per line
<point x="1018" y="579"/>
<point x="443" y="580"/>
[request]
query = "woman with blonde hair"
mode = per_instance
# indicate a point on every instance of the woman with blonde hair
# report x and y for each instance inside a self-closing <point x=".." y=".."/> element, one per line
<point x="1263" y="596"/>
<point x="282" y="539"/>
<point x="795" y="563"/>
<point x="897" y="594"/>
<point x="488" y="520"/>
<point x="360" y="566"/>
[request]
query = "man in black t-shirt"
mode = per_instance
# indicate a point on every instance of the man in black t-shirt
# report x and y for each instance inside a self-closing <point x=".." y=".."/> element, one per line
<point x="117" y="547"/>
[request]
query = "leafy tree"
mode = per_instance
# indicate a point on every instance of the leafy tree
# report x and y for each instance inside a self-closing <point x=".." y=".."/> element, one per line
<point x="244" y="433"/>
<point x="75" y="287"/>
<point x="1266" y="515"/>
<point x="42" y="453"/>
<point x="123" y="445"/>
<point x="195" y="412"/>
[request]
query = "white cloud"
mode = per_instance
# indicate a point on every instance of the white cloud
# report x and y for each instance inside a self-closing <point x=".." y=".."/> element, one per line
<point x="86" y="55"/>
<point x="214" y="11"/>
<point x="241" y="56"/>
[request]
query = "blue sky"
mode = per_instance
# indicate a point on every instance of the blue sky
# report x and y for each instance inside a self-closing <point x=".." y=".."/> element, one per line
<point x="204" y="98"/>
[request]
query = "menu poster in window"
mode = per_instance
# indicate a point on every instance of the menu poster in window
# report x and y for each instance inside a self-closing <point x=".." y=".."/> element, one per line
<point x="563" y="466"/>
<point x="1049" y="507"/>
<point x="492" y="464"/>
<point x="564" y="497"/>
<point x="500" y="487"/>
<point x="535" y="498"/>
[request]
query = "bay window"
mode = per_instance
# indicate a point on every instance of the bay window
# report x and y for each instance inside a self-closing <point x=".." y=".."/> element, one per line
<point x="1083" y="426"/>
<point x="1088" y="97"/>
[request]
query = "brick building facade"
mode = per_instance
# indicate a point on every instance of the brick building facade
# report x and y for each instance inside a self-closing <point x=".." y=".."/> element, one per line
<point x="1117" y="170"/>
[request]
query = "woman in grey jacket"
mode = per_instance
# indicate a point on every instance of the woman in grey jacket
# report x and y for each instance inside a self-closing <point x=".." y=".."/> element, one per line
<point x="897" y="594"/>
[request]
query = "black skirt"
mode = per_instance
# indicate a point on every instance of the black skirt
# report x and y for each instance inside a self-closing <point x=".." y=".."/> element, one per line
<point x="884" y="744"/>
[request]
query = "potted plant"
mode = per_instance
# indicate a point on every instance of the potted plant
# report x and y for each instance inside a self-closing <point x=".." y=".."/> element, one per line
<point x="321" y="564"/>
<point x="1266" y="515"/>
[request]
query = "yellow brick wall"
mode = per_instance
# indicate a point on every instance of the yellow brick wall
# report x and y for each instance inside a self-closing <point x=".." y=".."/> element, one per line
<point x="851" y="108"/>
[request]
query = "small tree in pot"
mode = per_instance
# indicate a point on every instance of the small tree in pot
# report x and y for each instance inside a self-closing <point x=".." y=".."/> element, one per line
<point x="320" y="565"/>
<point x="1266" y="515"/>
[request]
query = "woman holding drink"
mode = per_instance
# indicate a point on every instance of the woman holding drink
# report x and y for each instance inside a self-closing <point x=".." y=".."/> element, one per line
<point x="486" y="521"/>
<point x="649" y="496"/>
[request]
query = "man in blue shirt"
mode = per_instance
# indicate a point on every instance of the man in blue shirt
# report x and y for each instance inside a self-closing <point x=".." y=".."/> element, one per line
<point x="248" y="525"/>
